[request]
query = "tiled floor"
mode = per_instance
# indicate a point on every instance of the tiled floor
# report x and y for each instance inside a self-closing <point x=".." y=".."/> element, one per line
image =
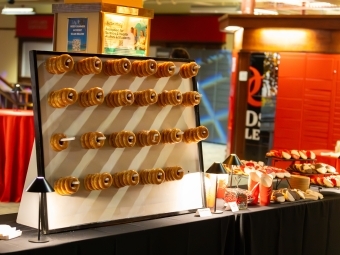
<point x="211" y="153"/>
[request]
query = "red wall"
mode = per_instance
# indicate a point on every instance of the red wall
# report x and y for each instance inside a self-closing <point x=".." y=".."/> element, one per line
<point x="164" y="28"/>
<point x="180" y="28"/>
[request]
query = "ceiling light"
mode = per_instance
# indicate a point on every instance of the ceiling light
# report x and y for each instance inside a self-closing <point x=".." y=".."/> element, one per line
<point x="263" y="11"/>
<point x="17" y="11"/>
<point x="214" y="9"/>
<point x="232" y="29"/>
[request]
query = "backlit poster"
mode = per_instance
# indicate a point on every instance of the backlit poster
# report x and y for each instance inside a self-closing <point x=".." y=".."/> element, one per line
<point x="77" y="35"/>
<point x="261" y="104"/>
<point x="124" y="35"/>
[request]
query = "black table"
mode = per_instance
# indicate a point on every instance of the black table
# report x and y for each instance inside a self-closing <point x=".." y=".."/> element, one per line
<point x="176" y="235"/>
<point x="291" y="228"/>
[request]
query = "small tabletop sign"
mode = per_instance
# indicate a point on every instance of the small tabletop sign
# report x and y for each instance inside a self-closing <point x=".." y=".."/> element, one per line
<point x="204" y="212"/>
<point x="233" y="206"/>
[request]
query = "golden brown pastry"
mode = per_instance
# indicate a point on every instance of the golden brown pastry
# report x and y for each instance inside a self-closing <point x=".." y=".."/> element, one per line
<point x="59" y="64"/>
<point x="57" y="144"/>
<point x="119" y="98"/>
<point x="89" y="65"/>
<point x="165" y="69"/>
<point x="98" y="181"/>
<point x="152" y="176"/>
<point x="122" y="139"/>
<point x="173" y="173"/>
<point x="172" y="135"/>
<point x="171" y="97"/>
<point x="145" y="97"/>
<point x="62" y="98"/>
<point x="117" y="67"/>
<point x="66" y="186"/>
<point x="92" y="140"/>
<point x="143" y="68"/>
<point x="188" y="70"/>
<point x="125" y="178"/>
<point x="91" y="97"/>
<point x="191" y="98"/>
<point x="195" y="135"/>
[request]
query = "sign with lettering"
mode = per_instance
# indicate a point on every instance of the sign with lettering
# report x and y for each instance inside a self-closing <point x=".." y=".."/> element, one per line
<point x="77" y="35"/>
<point x="34" y="26"/>
<point x="125" y="35"/>
<point x="262" y="89"/>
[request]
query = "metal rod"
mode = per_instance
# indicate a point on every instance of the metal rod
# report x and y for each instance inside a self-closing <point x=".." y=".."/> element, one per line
<point x="39" y="221"/>
<point x="216" y="193"/>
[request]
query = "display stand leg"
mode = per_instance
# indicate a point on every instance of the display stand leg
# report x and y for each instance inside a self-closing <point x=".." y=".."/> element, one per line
<point x="39" y="239"/>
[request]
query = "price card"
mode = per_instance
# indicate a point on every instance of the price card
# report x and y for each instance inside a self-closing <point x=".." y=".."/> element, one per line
<point x="233" y="206"/>
<point x="204" y="212"/>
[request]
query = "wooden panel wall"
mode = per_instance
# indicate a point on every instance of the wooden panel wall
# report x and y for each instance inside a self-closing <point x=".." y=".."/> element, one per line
<point x="307" y="102"/>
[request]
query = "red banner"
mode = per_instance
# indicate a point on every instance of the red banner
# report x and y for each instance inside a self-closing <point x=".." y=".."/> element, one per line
<point x="184" y="28"/>
<point x="34" y="26"/>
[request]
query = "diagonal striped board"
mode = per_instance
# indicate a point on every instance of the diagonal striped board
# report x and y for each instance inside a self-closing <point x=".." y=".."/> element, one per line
<point x="112" y="204"/>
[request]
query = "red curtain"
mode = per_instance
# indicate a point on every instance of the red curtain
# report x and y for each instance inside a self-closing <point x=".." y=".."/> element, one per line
<point x="16" y="141"/>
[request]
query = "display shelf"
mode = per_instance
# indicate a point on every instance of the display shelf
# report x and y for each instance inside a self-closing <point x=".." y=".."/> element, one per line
<point x="112" y="205"/>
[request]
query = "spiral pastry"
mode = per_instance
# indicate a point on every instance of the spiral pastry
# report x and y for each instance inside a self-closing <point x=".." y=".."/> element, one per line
<point x="62" y="98"/>
<point x="165" y="69"/>
<point x="125" y="178"/>
<point x="66" y="186"/>
<point x="148" y="138"/>
<point x="122" y="139"/>
<point x="189" y="70"/>
<point x="173" y="173"/>
<point x="91" y="97"/>
<point x="98" y="181"/>
<point x="89" y="65"/>
<point x="117" y="67"/>
<point x="172" y="135"/>
<point x="56" y="142"/>
<point x="195" y="135"/>
<point x="152" y="176"/>
<point x="119" y="98"/>
<point x="143" y="68"/>
<point x="172" y="97"/>
<point x="59" y="64"/>
<point x="92" y="140"/>
<point x="191" y="98"/>
<point x="145" y="97"/>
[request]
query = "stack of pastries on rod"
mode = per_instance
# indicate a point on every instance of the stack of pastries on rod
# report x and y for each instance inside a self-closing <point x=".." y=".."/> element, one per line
<point x="119" y="66"/>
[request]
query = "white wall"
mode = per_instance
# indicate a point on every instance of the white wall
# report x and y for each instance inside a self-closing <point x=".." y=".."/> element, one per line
<point x="9" y="44"/>
<point x="8" y="49"/>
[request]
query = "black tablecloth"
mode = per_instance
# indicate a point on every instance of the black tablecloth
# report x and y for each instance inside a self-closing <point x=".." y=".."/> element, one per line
<point x="296" y="228"/>
<point x="182" y="234"/>
<point x="291" y="228"/>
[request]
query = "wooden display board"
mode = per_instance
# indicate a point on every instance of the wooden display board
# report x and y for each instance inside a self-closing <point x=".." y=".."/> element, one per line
<point x="112" y="205"/>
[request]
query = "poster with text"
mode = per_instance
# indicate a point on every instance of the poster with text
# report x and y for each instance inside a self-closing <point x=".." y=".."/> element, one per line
<point x="77" y="35"/>
<point x="261" y="104"/>
<point x="123" y="35"/>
